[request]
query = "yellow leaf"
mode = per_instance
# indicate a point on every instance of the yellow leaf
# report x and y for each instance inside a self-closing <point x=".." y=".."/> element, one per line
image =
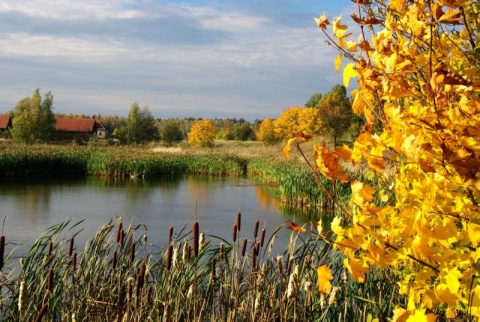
<point x="361" y="193"/>
<point x="339" y="30"/>
<point x="452" y="280"/>
<point x="420" y="316"/>
<point x="287" y="148"/>
<point x="357" y="268"/>
<point x="338" y="62"/>
<point x="336" y="226"/>
<point x="451" y="17"/>
<point x="474" y="234"/>
<point x="444" y="295"/>
<point x="348" y="73"/>
<point x="324" y="277"/>
<point x="322" y="22"/>
<point x="400" y="315"/>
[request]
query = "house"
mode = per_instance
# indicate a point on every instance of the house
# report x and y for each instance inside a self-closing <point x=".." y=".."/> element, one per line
<point x="79" y="127"/>
<point x="5" y="123"/>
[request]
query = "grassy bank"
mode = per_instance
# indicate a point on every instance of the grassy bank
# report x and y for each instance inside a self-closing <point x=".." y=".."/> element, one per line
<point x="119" y="276"/>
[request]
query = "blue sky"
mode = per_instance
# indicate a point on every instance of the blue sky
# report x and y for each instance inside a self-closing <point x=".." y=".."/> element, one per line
<point x="243" y="59"/>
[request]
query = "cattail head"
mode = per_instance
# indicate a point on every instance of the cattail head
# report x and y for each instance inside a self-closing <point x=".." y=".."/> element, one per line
<point x="333" y="294"/>
<point x="186" y="253"/>
<point x="308" y="286"/>
<point x="255" y="229"/>
<point x="121" y="238"/>
<point x="50" y="280"/>
<point x="22" y="298"/>
<point x="212" y="273"/>
<point x="262" y="237"/>
<point x="70" y="248"/>
<point x="292" y="289"/>
<point x="119" y="232"/>
<point x="130" y="281"/>
<point x="221" y="251"/>
<point x="239" y="220"/>
<point x="195" y="239"/>
<point x="132" y="254"/>
<point x="201" y="242"/>
<point x="145" y="239"/>
<point x="74" y="261"/>
<point x="280" y="263"/>
<point x="169" y="256"/>
<point x="175" y="256"/>
<point x="234" y="233"/>
<point x="170" y="234"/>
<point x="2" y="250"/>
<point x="114" y="260"/>
<point x="244" y="247"/>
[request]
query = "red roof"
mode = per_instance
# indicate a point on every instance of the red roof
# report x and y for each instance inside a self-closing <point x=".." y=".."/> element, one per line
<point x="75" y="125"/>
<point x="5" y="121"/>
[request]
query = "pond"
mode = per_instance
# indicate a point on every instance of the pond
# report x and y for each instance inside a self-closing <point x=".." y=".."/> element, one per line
<point x="29" y="208"/>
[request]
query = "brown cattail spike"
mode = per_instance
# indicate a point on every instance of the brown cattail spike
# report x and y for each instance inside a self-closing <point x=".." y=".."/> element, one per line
<point x="122" y="233"/>
<point x="169" y="257"/>
<point x="2" y="250"/>
<point x="262" y="237"/>
<point x="244" y="247"/>
<point x="119" y="232"/>
<point x="42" y="312"/>
<point x="114" y="260"/>
<point x="255" y="230"/>
<point x="170" y="235"/>
<point x="195" y="239"/>
<point x="132" y="254"/>
<point x="74" y="261"/>
<point x="234" y="233"/>
<point x="239" y="220"/>
<point x="70" y="249"/>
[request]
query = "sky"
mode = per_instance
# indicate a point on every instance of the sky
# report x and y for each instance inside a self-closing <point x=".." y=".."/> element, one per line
<point x="212" y="59"/>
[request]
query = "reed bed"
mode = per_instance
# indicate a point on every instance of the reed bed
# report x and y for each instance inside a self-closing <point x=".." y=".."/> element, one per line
<point x="118" y="276"/>
<point x="48" y="161"/>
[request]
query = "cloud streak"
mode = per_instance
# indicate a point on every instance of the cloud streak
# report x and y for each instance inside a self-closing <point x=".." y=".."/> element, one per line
<point x="192" y="59"/>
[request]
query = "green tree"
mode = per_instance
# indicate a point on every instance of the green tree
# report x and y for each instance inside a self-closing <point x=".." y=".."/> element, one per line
<point x="243" y="132"/>
<point x="33" y="119"/>
<point x="336" y="113"/>
<point x="313" y="100"/>
<point x="140" y="125"/>
<point x="170" y="132"/>
<point x="202" y="134"/>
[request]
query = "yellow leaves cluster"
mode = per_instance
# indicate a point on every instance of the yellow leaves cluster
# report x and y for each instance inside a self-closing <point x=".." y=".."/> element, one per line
<point x="418" y="77"/>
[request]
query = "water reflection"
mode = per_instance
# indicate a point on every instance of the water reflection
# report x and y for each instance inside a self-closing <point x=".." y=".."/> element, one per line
<point x="170" y="201"/>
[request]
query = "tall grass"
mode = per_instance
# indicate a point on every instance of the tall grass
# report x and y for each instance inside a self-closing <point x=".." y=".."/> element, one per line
<point x="118" y="276"/>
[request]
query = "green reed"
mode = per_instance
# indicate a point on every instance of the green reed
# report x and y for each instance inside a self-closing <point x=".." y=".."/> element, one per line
<point x="118" y="276"/>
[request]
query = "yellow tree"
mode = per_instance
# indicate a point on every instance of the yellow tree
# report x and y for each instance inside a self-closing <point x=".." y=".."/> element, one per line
<point x="297" y="119"/>
<point x="266" y="132"/>
<point x="202" y="134"/>
<point x="418" y="69"/>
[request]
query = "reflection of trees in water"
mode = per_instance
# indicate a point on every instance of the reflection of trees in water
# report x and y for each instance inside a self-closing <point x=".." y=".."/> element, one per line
<point x="136" y="187"/>
<point x="199" y="188"/>
<point x="29" y="199"/>
<point x="265" y="197"/>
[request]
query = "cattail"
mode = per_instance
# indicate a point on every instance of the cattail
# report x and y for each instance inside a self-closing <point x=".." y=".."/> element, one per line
<point x="70" y="248"/>
<point x="195" y="239"/>
<point x="114" y="260"/>
<point x="50" y="247"/>
<point x="2" y="250"/>
<point x="201" y="242"/>
<point x="254" y="258"/>
<point x="292" y="283"/>
<point x="149" y="295"/>
<point x="308" y="287"/>
<point x="234" y="233"/>
<point x="333" y="294"/>
<point x="132" y="254"/>
<point x="239" y="220"/>
<point x="175" y="257"/>
<point x="170" y="234"/>
<point x="280" y="264"/>
<point x="244" y="247"/>
<point x="74" y="261"/>
<point x="169" y="257"/>
<point x="22" y="298"/>
<point x="119" y="232"/>
<point x="262" y="237"/>
<point x="145" y="239"/>
<point x="138" y="288"/>
<point x="255" y="229"/>
<point x="42" y="312"/>
<point x="50" y="280"/>
<point x="186" y="253"/>
<point x="130" y="281"/>
<point x="221" y="251"/>
<point x="212" y="273"/>
<point x="141" y="274"/>
<point x="122" y="235"/>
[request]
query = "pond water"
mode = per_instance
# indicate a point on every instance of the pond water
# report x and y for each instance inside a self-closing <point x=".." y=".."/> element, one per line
<point x="29" y="208"/>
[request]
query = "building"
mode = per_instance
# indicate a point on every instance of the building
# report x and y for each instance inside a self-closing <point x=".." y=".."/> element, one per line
<point x="5" y="123"/>
<point x="79" y="127"/>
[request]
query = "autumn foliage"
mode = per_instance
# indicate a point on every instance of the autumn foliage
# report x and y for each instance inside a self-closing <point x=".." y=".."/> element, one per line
<point x="418" y="69"/>
<point x="202" y="134"/>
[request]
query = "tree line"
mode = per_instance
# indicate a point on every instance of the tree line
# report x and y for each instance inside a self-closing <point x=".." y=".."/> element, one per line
<point x="331" y="113"/>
